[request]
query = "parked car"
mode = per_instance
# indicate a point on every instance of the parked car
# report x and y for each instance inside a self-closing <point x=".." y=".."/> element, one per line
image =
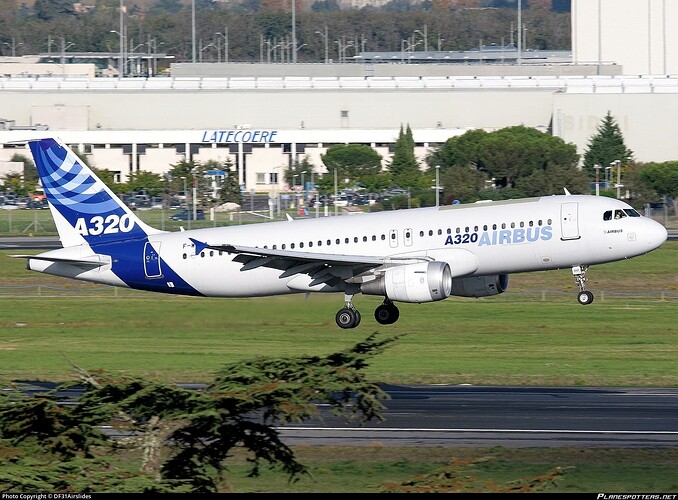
<point x="188" y="215"/>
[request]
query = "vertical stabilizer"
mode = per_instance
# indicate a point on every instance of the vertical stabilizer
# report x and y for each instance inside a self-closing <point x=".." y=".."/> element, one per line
<point x="85" y="210"/>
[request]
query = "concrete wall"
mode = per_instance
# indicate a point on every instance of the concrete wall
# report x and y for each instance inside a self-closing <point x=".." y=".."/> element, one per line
<point x="640" y="36"/>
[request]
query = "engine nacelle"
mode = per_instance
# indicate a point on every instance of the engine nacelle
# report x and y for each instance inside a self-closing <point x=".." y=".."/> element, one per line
<point x="420" y="282"/>
<point x="480" y="286"/>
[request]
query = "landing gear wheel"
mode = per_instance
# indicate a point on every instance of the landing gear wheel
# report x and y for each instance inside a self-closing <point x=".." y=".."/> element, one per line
<point x="386" y="314"/>
<point x="585" y="298"/>
<point x="347" y="318"/>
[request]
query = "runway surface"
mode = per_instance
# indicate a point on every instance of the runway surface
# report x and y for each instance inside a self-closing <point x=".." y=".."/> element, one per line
<point x="495" y="416"/>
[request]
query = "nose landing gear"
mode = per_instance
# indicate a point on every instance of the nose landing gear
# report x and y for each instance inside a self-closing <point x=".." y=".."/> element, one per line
<point x="584" y="297"/>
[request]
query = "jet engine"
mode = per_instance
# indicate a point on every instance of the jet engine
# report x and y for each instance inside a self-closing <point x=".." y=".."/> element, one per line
<point x="421" y="282"/>
<point x="480" y="286"/>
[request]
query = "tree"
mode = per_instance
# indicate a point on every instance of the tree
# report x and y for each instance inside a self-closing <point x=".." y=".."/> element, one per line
<point x="352" y="161"/>
<point x="404" y="169"/>
<point x="461" y="183"/>
<point x="521" y="161"/>
<point x="230" y="188"/>
<point x="144" y="181"/>
<point x="294" y="173"/>
<point x="663" y="178"/>
<point x="606" y="147"/>
<point x="185" y="436"/>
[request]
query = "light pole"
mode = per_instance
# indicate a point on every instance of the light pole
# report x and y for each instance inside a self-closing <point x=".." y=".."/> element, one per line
<point x="121" y="57"/>
<point x="405" y="47"/>
<point x="193" y="30"/>
<point x="185" y="199"/>
<point x="225" y="37"/>
<point x="597" y="169"/>
<point x="607" y="177"/>
<point x="619" y="184"/>
<point x="327" y="45"/>
<point x="13" y="46"/>
<point x="294" y="189"/>
<point x="303" y="187"/>
<point x="64" y="46"/>
<point x="130" y="57"/>
<point x="425" y="36"/>
<point x="342" y="49"/>
<point x="121" y="67"/>
<point x="437" y="185"/>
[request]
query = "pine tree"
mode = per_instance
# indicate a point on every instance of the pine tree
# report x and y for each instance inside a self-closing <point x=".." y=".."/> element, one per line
<point x="404" y="168"/>
<point x="230" y="189"/>
<point x="606" y="147"/>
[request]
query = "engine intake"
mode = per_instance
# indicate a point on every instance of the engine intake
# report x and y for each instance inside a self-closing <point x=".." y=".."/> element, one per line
<point x="421" y="282"/>
<point x="480" y="286"/>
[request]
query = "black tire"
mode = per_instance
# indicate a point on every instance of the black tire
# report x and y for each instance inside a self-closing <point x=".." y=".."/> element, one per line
<point x="386" y="314"/>
<point x="346" y="318"/>
<point x="585" y="298"/>
<point x="383" y="314"/>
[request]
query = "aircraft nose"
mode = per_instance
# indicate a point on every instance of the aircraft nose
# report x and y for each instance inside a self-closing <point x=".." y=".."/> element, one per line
<point x="656" y="234"/>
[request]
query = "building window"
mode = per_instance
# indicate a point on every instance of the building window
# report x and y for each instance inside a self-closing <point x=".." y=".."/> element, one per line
<point x="261" y="178"/>
<point x="344" y="113"/>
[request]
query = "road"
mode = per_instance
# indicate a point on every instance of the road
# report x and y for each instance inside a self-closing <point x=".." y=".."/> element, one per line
<point x="496" y="416"/>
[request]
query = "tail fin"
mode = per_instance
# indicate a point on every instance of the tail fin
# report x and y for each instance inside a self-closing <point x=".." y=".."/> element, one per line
<point x="83" y="207"/>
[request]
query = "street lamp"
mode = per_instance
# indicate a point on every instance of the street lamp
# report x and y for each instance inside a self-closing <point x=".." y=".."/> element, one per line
<point x="271" y="49"/>
<point x="13" y="46"/>
<point x="597" y="169"/>
<point x="424" y="35"/>
<point x="327" y="47"/>
<point x="122" y="50"/>
<point x="406" y="46"/>
<point x="223" y="35"/>
<point x="342" y="49"/>
<point x="64" y="46"/>
<point x="303" y="186"/>
<point x="619" y="184"/>
<point x="185" y="199"/>
<point x="607" y="177"/>
<point x="437" y="185"/>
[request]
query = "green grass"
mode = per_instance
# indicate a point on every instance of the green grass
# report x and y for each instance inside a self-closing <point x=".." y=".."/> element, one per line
<point x="522" y="337"/>
<point x="586" y="470"/>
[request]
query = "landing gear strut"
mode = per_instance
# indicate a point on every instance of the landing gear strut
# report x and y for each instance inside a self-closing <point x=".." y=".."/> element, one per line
<point x="348" y="316"/>
<point x="584" y="297"/>
<point x="387" y="313"/>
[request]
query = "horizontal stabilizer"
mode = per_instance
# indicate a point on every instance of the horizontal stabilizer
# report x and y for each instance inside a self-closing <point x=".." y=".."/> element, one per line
<point x="86" y="263"/>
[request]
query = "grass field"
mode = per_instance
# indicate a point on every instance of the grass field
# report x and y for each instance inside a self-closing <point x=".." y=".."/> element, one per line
<point x="535" y="334"/>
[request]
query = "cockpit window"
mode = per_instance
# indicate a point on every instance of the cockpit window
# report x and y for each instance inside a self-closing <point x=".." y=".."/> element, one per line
<point x="618" y="214"/>
<point x="607" y="215"/>
<point x="631" y="212"/>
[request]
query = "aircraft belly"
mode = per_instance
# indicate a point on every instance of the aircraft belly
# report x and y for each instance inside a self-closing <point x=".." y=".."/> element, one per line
<point x="221" y="277"/>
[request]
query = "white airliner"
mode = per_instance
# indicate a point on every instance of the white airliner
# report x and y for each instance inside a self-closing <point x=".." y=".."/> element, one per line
<point x="416" y="255"/>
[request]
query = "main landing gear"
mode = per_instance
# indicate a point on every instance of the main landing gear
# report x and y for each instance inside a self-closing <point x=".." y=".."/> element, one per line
<point x="349" y="317"/>
<point x="584" y="297"/>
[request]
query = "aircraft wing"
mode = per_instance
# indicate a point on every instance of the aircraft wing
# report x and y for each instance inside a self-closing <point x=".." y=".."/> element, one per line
<point x="323" y="267"/>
